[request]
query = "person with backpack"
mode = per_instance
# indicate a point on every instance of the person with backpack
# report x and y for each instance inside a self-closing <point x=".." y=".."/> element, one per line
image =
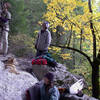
<point x="5" y="17"/>
<point x="44" y="90"/>
<point x="43" y="40"/>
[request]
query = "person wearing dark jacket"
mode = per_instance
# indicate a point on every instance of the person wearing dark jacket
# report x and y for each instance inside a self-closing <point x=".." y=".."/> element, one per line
<point x="44" y="90"/>
<point x="48" y="91"/>
<point x="43" y="40"/>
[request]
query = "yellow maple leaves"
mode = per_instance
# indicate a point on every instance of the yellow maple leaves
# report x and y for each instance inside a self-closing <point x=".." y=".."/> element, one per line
<point x="62" y="13"/>
<point x="66" y="56"/>
<point x="45" y="1"/>
<point x="54" y="49"/>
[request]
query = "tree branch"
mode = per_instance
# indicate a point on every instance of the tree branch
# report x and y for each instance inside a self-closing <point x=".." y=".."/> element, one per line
<point x="82" y="53"/>
<point x="92" y="30"/>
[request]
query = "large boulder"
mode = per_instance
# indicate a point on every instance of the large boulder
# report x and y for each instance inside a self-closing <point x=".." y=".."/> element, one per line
<point x="12" y="86"/>
<point x="63" y="78"/>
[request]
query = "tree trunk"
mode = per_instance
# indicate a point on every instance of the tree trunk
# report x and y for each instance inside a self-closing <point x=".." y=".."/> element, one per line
<point x="95" y="66"/>
<point x="73" y="51"/>
<point x="81" y="39"/>
<point x="71" y="32"/>
<point x="57" y="36"/>
<point x="81" y="43"/>
<point x="95" y="80"/>
<point x="95" y="77"/>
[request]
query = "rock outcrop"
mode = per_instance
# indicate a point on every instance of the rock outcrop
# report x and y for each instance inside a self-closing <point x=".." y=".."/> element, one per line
<point x="75" y="97"/>
<point x="63" y="78"/>
<point x="12" y="86"/>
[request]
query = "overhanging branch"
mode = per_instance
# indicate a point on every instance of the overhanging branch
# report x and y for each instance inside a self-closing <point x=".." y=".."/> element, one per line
<point x="82" y="53"/>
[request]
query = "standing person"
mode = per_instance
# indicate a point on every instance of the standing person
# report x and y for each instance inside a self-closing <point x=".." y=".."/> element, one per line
<point x="44" y="40"/>
<point x="4" y="19"/>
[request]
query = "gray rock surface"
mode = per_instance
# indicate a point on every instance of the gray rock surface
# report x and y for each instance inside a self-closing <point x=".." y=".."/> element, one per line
<point x="12" y="86"/>
<point x="75" y="97"/>
<point x="63" y="78"/>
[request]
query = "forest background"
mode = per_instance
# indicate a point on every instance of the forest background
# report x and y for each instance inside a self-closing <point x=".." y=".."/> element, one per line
<point x="75" y="29"/>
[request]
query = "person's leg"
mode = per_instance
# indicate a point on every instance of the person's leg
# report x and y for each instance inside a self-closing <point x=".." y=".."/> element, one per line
<point x="0" y="40"/>
<point x="38" y="53"/>
<point x="0" y="33"/>
<point x="44" y="52"/>
<point x="5" y="42"/>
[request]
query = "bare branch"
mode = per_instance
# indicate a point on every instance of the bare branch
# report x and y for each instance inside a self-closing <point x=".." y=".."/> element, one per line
<point x="81" y="52"/>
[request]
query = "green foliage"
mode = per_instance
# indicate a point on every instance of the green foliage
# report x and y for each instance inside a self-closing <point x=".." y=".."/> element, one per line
<point x="18" y="22"/>
<point x="79" y="10"/>
<point x="22" y="45"/>
<point x="26" y="15"/>
<point x="35" y="10"/>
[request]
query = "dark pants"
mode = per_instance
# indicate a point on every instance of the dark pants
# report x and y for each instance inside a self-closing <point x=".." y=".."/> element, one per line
<point x="41" y="52"/>
<point x="34" y="92"/>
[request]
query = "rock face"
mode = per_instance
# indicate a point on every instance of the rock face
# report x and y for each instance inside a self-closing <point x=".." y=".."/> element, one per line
<point x="63" y="78"/>
<point x="75" y="97"/>
<point x="12" y="86"/>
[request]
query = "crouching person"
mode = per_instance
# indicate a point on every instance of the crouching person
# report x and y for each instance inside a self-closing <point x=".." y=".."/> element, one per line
<point x="44" y="90"/>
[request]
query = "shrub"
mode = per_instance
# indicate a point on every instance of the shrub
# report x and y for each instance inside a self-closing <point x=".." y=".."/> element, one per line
<point x="22" y="45"/>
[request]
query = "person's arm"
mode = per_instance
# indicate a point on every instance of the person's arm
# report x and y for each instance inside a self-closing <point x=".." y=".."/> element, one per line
<point x="36" y="41"/>
<point x="55" y="95"/>
<point x="3" y="19"/>
<point x="0" y="12"/>
<point x="8" y="15"/>
<point x="48" y="39"/>
<point x="27" y="95"/>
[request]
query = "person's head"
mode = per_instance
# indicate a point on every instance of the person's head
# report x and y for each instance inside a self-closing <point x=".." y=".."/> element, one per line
<point x="45" y="25"/>
<point x="48" y="78"/>
<point x="6" y="6"/>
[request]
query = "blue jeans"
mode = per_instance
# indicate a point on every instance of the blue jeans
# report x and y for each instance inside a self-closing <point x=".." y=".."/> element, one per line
<point x="41" y="52"/>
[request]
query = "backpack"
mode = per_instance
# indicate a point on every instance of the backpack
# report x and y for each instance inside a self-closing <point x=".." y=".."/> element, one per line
<point x="39" y="61"/>
<point x="51" y="62"/>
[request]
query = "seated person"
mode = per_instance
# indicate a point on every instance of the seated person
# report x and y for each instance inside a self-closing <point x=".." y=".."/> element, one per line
<point x="44" y="90"/>
<point x="48" y="91"/>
